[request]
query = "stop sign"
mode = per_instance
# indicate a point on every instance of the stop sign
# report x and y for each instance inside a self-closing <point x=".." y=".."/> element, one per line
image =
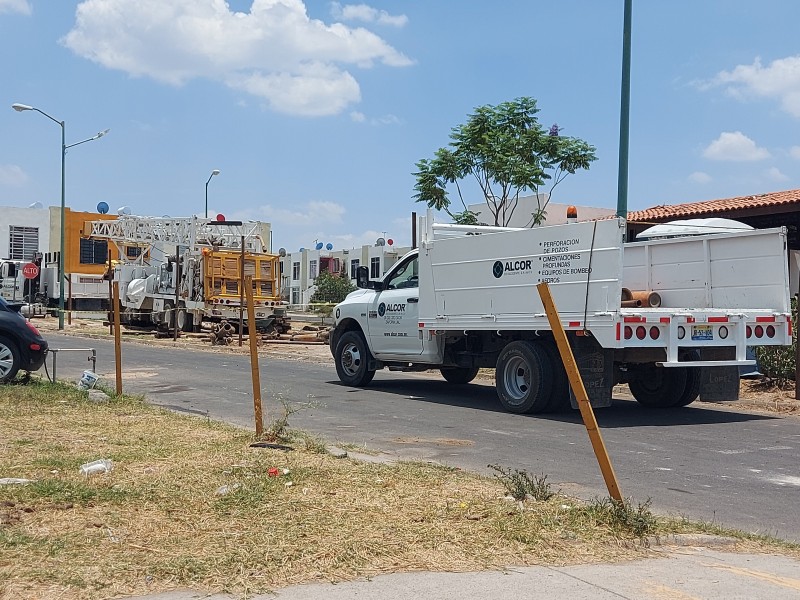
<point x="30" y="271"/>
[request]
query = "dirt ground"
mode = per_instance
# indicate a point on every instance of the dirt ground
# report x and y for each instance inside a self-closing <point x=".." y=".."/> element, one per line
<point x="755" y="395"/>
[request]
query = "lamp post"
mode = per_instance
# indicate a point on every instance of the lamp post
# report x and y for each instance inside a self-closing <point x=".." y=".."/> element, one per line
<point x="214" y="172"/>
<point x="64" y="146"/>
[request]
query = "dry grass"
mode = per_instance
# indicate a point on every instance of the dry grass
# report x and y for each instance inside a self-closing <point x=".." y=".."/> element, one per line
<point x="156" y="522"/>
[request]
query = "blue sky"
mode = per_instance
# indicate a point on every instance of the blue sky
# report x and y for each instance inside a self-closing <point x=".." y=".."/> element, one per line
<point x="316" y="113"/>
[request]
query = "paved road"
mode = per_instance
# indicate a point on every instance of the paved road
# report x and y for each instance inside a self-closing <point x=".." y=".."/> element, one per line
<point x="716" y="464"/>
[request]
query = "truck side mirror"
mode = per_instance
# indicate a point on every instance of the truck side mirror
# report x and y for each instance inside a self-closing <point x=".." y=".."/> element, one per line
<point x="362" y="277"/>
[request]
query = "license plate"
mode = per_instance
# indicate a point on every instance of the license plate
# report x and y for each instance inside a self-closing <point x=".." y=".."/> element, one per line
<point x="702" y="332"/>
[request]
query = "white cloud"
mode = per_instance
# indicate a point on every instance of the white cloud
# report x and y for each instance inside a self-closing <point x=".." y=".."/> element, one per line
<point x="12" y="175"/>
<point x="794" y="152"/>
<point x="367" y="14"/>
<point x="780" y="80"/>
<point x="275" y="51"/>
<point x="389" y="119"/>
<point x="700" y="177"/>
<point x="22" y="7"/>
<point x="734" y="146"/>
<point x="774" y="174"/>
<point x="308" y="214"/>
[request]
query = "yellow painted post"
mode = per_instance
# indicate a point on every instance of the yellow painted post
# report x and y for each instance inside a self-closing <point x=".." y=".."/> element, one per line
<point x="252" y="335"/>
<point x="117" y="340"/>
<point x="579" y="390"/>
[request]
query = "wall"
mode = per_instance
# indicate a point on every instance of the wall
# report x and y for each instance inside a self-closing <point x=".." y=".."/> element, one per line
<point x="556" y="213"/>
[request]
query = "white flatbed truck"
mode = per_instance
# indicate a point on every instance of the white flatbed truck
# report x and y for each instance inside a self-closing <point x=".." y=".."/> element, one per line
<point x="466" y="299"/>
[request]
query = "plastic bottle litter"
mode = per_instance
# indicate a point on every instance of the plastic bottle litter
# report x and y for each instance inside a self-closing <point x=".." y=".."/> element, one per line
<point x="97" y="466"/>
<point x="227" y="489"/>
<point x="87" y="380"/>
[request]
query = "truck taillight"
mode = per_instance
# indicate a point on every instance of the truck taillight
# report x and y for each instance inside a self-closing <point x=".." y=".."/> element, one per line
<point x="654" y="332"/>
<point x="759" y="331"/>
<point x="749" y="331"/>
<point x="641" y="333"/>
<point x="32" y="327"/>
<point x="770" y="331"/>
<point x="628" y="332"/>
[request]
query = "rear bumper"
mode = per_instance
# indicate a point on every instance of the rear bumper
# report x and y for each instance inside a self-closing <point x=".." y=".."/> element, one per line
<point x="32" y="360"/>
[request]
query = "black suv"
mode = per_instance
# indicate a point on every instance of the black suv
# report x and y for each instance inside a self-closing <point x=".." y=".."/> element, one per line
<point x="21" y="344"/>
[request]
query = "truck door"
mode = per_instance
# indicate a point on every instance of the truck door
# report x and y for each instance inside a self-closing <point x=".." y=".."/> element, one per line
<point x="393" y="315"/>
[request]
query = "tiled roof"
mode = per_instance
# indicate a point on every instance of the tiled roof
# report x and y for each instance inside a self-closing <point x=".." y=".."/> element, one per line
<point x="699" y="209"/>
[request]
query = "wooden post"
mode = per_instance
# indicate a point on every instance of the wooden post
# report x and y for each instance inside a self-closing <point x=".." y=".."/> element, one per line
<point x="117" y="343"/>
<point x="241" y="296"/>
<point x="252" y="336"/>
<point x="580" y="392"/>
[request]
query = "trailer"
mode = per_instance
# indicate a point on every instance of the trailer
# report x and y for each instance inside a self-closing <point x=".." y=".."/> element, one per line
<point x="672" y="318"/>
<point x="178" y="272"/>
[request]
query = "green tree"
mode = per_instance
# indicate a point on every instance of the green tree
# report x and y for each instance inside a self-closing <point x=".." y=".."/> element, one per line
<point x="507" y="151"/>
<point x="331" y="288"/>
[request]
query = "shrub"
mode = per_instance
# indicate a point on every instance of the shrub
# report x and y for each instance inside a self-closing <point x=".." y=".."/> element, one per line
<point x="777" y="363"/>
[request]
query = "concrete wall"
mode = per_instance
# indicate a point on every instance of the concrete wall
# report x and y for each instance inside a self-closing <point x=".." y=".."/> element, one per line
<point x="556" y="213"/>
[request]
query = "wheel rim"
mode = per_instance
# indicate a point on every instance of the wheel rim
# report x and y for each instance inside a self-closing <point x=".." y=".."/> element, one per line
<point x="351" y="359"/>
<point x="181" y="319"/>
<point x="517" y="379"/>
<point x="6" y="360"/>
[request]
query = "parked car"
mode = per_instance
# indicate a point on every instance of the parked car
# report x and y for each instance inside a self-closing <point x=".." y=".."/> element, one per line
<point x="22" y="347"/>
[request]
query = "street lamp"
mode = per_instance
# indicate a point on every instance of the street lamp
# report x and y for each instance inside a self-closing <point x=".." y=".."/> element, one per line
<point x="64" y="146"/>
<point x="214" y="172"/>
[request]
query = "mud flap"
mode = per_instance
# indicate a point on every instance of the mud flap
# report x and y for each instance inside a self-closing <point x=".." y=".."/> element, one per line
<point x="596" y="366"/>
<point x="719" y="384"/>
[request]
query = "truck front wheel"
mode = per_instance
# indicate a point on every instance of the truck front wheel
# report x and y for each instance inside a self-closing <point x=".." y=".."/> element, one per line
<point x="522" y="378"/>
<point x="459" y="375"/>
<point x="352" y="360"/>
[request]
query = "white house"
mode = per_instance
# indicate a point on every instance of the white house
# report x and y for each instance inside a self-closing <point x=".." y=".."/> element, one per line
<point x="24" y="232"/>
<point x="300" y="269"/>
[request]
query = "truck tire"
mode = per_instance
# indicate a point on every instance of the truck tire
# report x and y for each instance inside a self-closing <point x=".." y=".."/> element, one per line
<point x="9" y="359"/>
<point x="691" y="390"/>
<point x="459" y="375"/>
<point x="185" y="319"/>
<point x="660" y="387"/>
<point x="559" y="399"/>
<point x="168" y="316"/>
<point x="352" y="360"/>
<point x="522" y="378"/>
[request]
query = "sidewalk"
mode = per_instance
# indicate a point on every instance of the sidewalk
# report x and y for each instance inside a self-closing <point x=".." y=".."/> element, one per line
<point x="680" y="573"/>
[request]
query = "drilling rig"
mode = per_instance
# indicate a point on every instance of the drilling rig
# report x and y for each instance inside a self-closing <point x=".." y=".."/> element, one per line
<point x="179" y="272"/>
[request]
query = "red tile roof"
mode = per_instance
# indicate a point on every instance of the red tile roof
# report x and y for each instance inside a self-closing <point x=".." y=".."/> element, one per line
<point x="699" y="209"/>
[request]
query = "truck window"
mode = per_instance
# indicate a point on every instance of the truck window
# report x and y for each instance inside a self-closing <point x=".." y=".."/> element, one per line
<point x="405" y="276"/>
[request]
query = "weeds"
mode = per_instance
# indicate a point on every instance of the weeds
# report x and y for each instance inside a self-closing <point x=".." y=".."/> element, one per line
<point x="624" y="517"/>
<point x="520" y="485"/>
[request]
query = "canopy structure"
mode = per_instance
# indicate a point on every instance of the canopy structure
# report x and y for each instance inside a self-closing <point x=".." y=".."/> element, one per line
<point x="692" y="227"/>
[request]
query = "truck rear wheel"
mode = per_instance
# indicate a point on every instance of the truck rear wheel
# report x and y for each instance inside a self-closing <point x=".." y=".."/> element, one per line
<point x="522" y="378"/>
<point x="559" y="399"/>
<point x="661" y="387"/>
<point x="459" y="375"/>
<point x="352" y="360"/>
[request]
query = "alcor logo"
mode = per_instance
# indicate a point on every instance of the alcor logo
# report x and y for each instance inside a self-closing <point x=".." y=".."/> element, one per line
<point x="384" y="308"/>
<point x="512" y="267"/>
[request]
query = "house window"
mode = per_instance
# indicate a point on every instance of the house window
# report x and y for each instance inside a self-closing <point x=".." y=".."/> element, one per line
<point x="281" y="264"/>
<point x="354" y="264"/>
<point x="93" y="252"/>
<point x="312" y="269"/>
<point x="375" y="267"/>
<point x="296" y="271"/>
<point x="23" y="242"/>
<point x="296" y="295"/>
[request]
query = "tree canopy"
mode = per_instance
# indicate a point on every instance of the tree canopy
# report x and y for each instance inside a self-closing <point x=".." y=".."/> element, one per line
<point x="506" y="151"/>
<point x="331" y="288"/>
